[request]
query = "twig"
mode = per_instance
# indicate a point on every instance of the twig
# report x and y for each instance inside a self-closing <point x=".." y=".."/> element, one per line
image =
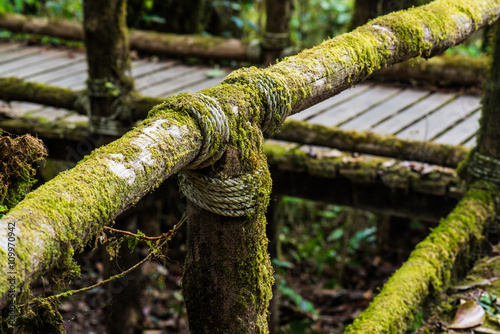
<point x="165" y="236"/>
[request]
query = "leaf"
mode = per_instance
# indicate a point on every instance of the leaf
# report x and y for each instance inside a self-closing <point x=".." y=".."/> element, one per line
<point x="484" y="330"/>
<point x="468" y="315"/>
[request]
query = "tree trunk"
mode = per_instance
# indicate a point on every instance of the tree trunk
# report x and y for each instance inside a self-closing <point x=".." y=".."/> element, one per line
<point x="227" y="275"/>
<point x="109" y="86"/>
<point x="364" y="10"/>
<point x="277" y="35"/>
<point x="179" y="17"/>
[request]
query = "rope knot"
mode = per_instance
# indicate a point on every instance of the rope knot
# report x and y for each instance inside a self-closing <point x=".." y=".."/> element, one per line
<point x="233" y="197"/>
<point x="211" y="120"/>
<point x="274" y="94"/>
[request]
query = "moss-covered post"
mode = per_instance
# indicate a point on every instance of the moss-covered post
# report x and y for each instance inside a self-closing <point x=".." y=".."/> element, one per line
<point x="109" y="86"/>
<point x="277" y="35"/>
<point x="228" y="275"/>
<point x="484" y="160"/>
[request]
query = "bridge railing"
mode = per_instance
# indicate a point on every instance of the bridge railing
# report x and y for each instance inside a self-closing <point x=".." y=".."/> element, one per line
<point x="220" y="131"/>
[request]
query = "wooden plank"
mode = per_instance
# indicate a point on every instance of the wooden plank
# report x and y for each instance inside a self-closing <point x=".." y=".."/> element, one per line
<point x="21" y="109"/>
<point x="471" y="143"/>
<point x="329" y="103"/>
<point x="49" y="114"/>
<point x="60" y="73"/>
<point x="47" y="66"/>
<point x="354" y="107"/>
<point x="461" y="132"/>
<point x="157" y="78"/>
<point x="79" y="81"/>
<point x="199" y="86"/>
<point x="16" y="54"/>
<point x="10" y="68"/>
<point x="149" y="67"/>
<point x="384" y="110"/>
<point x="413" y="113"/>
<point x="71" y="82"/>
<point x="182" y="83"/>
<point x="7" y="47"/>
<point x="432" y="125"/>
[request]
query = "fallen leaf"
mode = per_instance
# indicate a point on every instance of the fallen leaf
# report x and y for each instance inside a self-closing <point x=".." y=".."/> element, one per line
<point x="484" y="330"/>
<point x="468" y="315"/>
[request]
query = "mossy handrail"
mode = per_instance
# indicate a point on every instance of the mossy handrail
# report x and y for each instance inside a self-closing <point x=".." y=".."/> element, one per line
<point x="65" y="213"/>
<point x="145" y="41"/>
<point x="429" y="266"/>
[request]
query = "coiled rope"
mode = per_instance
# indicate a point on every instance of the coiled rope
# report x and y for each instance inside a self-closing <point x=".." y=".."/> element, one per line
<point x="484" y="167"/>
<point x="234" y="197"/>
<point x="273" y="89"/>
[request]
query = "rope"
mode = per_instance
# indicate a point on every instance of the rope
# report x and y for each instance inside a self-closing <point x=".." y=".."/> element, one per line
<point x="276" y="95"/>
<point x="106" y="87"/>
<point x="234" y="197"/>
<point x="275" y="40"/>
<point x="213" y="124"/>
<point x="484" y="167"/>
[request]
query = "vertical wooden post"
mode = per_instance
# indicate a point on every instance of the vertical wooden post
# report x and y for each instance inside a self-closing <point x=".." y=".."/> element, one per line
<point x="277" y="35"/>
<point x="108" y="57"/>
<point x="484" y="160"/>
<point x="227" y="275"/>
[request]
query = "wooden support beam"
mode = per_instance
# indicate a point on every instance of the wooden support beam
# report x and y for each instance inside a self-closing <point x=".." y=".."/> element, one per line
<point x="371" y="143"/>
<point x="403" y="189"/>
<point x="443" y="70"/>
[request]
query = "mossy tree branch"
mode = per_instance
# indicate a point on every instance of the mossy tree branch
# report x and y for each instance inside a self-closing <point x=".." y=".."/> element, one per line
<point x="15" y="89"/>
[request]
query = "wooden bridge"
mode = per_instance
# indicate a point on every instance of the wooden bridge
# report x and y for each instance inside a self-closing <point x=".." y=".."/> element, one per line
<point x="221" y="129"/>
<point x="445" y="117"/>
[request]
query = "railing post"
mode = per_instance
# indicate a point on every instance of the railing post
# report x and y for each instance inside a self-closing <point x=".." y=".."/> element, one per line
<point x="484" y="160"/>
<point x="227" y="275"/>
<point x="108" y="100"/>
<point x="277" y="35"/>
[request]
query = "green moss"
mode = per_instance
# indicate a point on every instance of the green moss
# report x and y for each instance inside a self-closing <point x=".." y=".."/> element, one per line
<point x="371" y="143"/>
<point x="428" y="269"/>
<point x="15" y="89"/>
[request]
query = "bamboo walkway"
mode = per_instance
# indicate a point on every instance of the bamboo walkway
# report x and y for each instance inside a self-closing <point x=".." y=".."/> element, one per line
<point x="442" y="117"/>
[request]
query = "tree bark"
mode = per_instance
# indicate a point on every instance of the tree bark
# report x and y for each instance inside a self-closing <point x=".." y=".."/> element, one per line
<point x="488" y="142"/>
<point x="66" y="212"/>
